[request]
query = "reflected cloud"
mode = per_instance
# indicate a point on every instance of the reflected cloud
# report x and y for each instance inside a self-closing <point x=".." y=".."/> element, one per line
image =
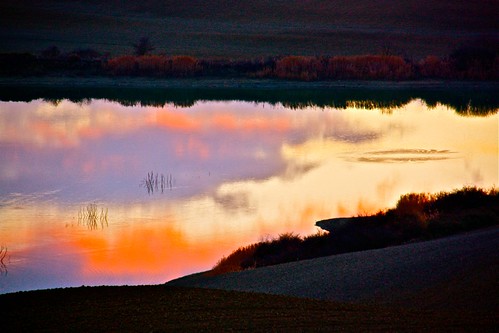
<point x="356" y="138"/>
<point x="233" y="201"/>
<point x="404" y="156"/>
<point x="296" y="170"/>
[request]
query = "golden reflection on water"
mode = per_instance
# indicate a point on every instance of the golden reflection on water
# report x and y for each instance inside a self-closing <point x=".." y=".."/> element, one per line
<point x="262" y="171"/>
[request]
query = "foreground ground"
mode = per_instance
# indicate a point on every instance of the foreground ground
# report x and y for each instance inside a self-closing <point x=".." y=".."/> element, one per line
<point x="443" y="285"/>
<point x="163" y="308"/>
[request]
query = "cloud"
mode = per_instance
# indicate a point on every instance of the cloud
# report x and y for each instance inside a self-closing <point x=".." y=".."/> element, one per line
<point x="403" y="156"/>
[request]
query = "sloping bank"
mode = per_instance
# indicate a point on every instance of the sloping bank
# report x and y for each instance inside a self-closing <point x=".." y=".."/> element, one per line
<point x="457" y="272"/>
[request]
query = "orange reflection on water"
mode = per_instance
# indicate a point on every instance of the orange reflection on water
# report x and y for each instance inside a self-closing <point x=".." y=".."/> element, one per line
<point x="132" y="250"/>
<point x="175" y="120"/>
<point x="231" y="122"/>
<point x="66" y="125"/>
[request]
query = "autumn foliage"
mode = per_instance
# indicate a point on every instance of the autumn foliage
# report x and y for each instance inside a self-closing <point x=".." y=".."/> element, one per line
<point x="465" y="63"/>
<point x="308" y="68"/>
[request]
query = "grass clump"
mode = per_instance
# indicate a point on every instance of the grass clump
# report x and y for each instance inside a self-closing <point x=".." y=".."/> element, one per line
<point x="417" y="216"/>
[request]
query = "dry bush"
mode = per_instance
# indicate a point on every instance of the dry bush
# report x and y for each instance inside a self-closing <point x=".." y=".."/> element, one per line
<point x="434" y="67"/>
<point x="184" y="66"/>
<point x="122" y="65"/>
<point x="153" y="65"/>
<point x="298" y="67"/>
<point x="413" y="203"/>
<point x="377" y="67"/>
<point x="469" y="197"/>
<point x="236" y="261"/>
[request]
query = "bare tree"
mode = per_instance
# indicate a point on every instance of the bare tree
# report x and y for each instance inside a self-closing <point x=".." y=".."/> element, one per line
<point x="143" y="47"/>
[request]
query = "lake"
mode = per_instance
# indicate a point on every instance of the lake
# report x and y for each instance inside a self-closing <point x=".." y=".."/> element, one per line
<point x="133" y="187"/>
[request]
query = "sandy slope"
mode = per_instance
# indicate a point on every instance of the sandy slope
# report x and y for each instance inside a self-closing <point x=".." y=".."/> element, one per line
<point x="458" y="272"/>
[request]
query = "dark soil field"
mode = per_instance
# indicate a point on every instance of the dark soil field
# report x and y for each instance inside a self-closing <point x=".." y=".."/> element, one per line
<point x="221" y="28"/>
<point x="176" y="309"/>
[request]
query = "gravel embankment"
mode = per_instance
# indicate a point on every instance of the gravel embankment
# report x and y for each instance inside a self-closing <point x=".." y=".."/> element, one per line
<point x="460" y="271"/>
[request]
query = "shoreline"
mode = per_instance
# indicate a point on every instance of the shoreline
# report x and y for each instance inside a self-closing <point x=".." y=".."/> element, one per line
<point x="236" y="83"/>
<point x="406" y="275"/>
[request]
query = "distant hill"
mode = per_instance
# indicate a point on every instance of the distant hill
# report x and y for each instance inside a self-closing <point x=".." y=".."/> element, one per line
<point x="240" y="28"/>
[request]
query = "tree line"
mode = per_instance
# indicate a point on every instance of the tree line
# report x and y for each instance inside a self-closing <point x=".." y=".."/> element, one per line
<point x="464" y="63"/>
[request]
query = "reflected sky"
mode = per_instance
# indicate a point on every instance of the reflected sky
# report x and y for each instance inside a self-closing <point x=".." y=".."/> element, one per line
<point x="234" y="172"/>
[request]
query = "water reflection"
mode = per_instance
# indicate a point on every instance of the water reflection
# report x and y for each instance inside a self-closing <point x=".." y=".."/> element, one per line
<point x="466" y="99"/>
<point x="3" y="261"/>
<point x="232" y="172"/>
<point x="404" y="155"/>
<point x="93" y="218"/>
<point x="155" y="182"/>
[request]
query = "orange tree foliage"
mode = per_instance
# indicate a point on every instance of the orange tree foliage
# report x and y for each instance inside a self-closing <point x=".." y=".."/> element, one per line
<point x="301" y="68"/>
<point x="123" y="65"/>
<point x="184" y="66"/>
<point x="308" y="68"/>
<point x="377" y="67"/>
<point x="434" y="67"/>
<point x="371" y="67"/>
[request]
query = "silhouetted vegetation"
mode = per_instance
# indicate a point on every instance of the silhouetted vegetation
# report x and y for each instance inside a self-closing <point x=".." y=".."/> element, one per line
<point x="467" y="100"/>
<point x="417" y="216"/>
<point x="465" y="63"/>
<point x="307" y="68"/>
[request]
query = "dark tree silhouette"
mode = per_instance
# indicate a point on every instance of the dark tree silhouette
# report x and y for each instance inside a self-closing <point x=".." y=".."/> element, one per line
<point x="143" y="47"/>
<point x="51" y="52"/>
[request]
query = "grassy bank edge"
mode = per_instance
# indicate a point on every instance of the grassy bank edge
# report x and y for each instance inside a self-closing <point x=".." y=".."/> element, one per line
<point x="416" y="217"/>
<point x="235" y="83"/>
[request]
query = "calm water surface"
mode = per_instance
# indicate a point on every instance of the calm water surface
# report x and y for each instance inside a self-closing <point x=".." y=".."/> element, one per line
<point x="100" y="193"/>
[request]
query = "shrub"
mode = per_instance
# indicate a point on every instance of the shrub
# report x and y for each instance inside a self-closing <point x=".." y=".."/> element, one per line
<point x="297" y="67"/>
<point x="465" y="198"/>
<point x="184" y="66"/>
<point x="434" y="67"/>
<point x="412" y="204"/>
<point x="477" y="61"/>
<point x="123" y="65"/>
<point x="378" y="67"/>
<point x="152" y="65"/>
<point x="238" y="260"/>
<point x="285" y="248"/>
